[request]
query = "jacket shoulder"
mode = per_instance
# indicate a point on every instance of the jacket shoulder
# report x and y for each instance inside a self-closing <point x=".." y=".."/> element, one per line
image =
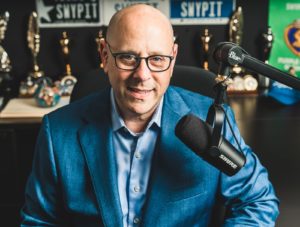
<point x="196" y="102"/>
<point x="80" y="108"/>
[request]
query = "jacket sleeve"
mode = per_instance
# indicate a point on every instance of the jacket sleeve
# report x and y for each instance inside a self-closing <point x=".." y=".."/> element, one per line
<point x="42" y="199"/>
<point x="249" y="196"/>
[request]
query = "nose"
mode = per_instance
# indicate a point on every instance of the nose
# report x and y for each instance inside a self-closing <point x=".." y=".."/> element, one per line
<point x="142" y="72"/>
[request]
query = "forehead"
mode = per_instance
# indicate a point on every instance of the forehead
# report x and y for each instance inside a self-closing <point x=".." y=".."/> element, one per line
<point x="144" y="41"/>
<point x="141" y="29"/>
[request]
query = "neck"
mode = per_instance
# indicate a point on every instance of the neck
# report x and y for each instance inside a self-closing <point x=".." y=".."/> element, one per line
<point x="135" y="122"/>
<point x="136" y="125"/>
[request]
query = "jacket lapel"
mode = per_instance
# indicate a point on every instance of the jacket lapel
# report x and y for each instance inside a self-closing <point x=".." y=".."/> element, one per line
<point x="166" y="161"/>
<point x="96" y="141"/>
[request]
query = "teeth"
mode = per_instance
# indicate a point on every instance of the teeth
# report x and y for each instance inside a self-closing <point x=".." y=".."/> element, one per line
<point x="139" y="91"/>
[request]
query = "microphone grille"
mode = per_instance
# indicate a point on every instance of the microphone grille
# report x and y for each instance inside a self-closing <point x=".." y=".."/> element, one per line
<point x="194" y="133"/>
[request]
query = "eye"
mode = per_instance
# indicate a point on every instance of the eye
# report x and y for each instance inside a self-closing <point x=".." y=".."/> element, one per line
<point x="127" y="57"/>
<point x="157" y="58"/>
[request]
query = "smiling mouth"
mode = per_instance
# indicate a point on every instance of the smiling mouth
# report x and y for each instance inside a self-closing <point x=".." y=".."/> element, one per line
<point x="139" y="93"/>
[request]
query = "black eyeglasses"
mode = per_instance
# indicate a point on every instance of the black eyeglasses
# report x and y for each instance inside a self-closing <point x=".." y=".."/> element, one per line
<point x="130" y="62"/>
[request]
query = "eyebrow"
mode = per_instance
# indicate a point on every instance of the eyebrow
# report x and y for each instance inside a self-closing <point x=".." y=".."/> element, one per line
<point x="152" y="53"/>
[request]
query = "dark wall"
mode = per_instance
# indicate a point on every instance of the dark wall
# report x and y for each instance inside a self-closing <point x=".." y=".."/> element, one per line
<point x="83" y="47"/>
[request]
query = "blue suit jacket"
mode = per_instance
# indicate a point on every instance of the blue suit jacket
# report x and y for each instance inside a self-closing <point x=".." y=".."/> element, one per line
<point x="74" y="176"/>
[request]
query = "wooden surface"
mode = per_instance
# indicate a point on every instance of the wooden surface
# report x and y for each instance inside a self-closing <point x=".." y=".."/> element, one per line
<point x="273" y="132"/>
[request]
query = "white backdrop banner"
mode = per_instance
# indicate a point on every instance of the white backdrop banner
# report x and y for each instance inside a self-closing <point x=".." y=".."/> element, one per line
<point x="79" y="13"/>
<point x="201" y="12"/>
<point x="68" y="13"/>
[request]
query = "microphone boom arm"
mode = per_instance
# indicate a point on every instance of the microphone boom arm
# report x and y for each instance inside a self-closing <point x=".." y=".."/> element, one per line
<point x="271" y="72"/>
<point x="230" y="54"/>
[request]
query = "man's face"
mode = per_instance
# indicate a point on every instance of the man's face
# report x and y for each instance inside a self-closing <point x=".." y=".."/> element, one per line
<point x="138" y="92"/>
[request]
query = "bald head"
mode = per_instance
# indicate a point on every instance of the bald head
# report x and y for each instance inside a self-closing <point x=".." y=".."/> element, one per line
<point x="138" y="56"/>
<point x="136" y="19"/>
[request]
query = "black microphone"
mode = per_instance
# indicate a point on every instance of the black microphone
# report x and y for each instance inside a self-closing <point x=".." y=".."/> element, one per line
<point x="197" y="135"/>
<point x="230" y="54"/>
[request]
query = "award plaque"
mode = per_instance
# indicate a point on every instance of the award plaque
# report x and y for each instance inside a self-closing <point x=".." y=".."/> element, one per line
<point x="67" y="80"/>
<point x="267" y="44"/>
<point x="206" y="40"/>
<point x="5" y="64"/>
<point x="250" y="83"/>
<point x="98" y="40"/>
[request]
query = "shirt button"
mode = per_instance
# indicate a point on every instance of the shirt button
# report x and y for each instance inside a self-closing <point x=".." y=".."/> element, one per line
<point x="136" y="220"/>
<point x="136" y="188"/>
<point x="137" y="155"/>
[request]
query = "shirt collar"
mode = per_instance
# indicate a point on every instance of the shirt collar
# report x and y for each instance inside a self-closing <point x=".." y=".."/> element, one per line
<point x="118" y="122"/>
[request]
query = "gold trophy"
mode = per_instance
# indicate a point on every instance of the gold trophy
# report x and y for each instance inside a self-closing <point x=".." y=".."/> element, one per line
<point x="98" y="40"/>
<point x="68" y="80"/>
<point x="29" y="86"/>
<point x="267" y="41"/>
<point x="236" y="25"/>
<point x="33" y="39"/>
<point x="241" y="82"/>
<point x="206" y="39"/>
<point x="5" y="64"/>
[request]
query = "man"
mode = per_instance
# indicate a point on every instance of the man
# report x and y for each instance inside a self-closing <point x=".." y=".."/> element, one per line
<point x="112" y="159"/>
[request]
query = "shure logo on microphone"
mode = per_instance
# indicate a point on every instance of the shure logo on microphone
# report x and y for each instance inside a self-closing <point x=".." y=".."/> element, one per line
<point x="225" y="159"/>
<point x="233" y="56"/>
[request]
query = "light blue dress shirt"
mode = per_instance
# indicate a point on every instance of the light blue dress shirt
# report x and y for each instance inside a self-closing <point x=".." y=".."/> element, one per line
<point x="134" y="153"/>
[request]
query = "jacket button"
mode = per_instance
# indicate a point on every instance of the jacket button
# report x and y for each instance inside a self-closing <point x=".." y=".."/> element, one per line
<point x="136" y="220"/>
<point x="136" y="188"/>
<point x="137" y="155"/>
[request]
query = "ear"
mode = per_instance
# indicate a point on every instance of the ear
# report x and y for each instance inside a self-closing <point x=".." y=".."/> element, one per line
<point x="103" y="54"/>
<point x="175" y="51"/>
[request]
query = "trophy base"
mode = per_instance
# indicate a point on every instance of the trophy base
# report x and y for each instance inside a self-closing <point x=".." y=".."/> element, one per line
<point x="205" y="65"/>
<point x="5" y="84"/>
<point x="36" y="74"/>
<point x="237" y="70"/>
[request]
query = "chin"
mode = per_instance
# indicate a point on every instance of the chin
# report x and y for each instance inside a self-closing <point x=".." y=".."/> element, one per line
<point x="141" y="109"/>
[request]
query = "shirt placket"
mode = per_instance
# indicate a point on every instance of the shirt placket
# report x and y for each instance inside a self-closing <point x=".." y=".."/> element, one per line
<point x="134" y="191"/>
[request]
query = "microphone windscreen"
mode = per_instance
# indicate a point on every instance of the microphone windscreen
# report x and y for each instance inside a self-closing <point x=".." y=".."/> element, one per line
<point x="194" y="132"/>
<point x="197" y="135"/>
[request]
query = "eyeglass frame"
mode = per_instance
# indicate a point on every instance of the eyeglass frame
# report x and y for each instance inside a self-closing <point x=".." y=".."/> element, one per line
<point x="139" y="59"/>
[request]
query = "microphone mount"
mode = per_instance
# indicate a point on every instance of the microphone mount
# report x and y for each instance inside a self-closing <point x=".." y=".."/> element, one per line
<point x="216" y="114"/>
<point x="229" y="54"/>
